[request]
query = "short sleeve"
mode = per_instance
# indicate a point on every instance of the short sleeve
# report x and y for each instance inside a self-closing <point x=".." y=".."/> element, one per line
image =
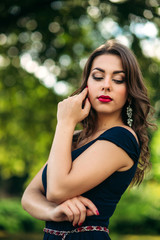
<point x="124" y="139"/>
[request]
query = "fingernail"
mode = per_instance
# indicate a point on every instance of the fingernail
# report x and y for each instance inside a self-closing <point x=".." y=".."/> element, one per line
<point x="80" y="224"/>
<point x="97" y="212"/>
<point x="75" y="225"/>
<point x="86" y="86"/>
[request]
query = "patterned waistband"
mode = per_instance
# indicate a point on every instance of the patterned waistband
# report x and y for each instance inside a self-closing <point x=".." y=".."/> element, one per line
<point x="63" y="234"/>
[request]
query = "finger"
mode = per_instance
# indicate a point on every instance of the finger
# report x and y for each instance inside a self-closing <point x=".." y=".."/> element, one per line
<point x="87" y="106"/>
<point x="69" y="214"/>
<point x="75" y="211"/>
<point x="88" y="203"/>
<point x="89" y="213"/>
<point x="82" y="210"/>
<point x="83" y="94"/>
<point x="62" y="213"/>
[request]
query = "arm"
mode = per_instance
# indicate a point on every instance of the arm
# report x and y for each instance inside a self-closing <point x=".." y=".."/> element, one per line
<point x="74" y="210"/>
<point x="66" y="179"/>
<point x="34" y="200"/>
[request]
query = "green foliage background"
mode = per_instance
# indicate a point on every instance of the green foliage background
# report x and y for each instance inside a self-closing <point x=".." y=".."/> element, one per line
<point x="60" y="35"/>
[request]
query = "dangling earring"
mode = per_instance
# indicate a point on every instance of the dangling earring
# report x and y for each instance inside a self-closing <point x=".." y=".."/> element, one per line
<point x="129" y="115"/>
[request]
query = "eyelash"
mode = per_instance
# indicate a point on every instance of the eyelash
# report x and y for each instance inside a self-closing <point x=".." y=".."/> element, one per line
<point x="117" y="81"/>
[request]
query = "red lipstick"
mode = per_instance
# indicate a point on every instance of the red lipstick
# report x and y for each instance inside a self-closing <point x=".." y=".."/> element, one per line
<point x="104" y="98"/>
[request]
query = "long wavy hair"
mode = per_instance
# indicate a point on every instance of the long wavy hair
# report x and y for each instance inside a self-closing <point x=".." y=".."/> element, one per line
<point x="137" y="94"/>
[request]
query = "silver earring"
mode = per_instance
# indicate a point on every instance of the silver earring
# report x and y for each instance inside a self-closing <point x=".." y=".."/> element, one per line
<point x="129" y="115"/>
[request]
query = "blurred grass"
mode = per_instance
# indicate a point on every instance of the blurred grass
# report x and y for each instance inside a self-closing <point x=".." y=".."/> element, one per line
<point x="14" y="219"/>
<point x="134" y="237"/>
<point x="21" y="236"/>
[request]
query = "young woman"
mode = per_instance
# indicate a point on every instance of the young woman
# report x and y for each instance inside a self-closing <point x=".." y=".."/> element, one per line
<point x="77" y="190"/>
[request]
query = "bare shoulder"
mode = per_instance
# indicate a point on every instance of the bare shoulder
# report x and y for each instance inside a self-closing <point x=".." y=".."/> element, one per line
<point x="132" y="131"/>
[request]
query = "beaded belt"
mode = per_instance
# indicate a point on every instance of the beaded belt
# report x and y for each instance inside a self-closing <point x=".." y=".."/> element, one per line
<point x="63" y="234"/>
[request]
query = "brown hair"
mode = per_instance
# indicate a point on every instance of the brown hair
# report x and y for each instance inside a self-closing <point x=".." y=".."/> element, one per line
<point x="137" y="93"/>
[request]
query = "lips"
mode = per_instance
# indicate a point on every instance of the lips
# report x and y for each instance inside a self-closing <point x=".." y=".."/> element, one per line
<point x="104" y="98"/>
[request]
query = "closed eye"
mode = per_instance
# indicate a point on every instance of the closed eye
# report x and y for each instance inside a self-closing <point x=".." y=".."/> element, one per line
<point x="118" y="81"/>
<point x="97" y="78"/>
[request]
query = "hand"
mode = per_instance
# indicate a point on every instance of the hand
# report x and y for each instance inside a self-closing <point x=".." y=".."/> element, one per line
<point x="70" y="110"/>
<point x="74" y="210"/>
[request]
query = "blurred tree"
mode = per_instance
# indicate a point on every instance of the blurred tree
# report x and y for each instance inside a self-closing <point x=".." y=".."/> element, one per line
<point x="43" y="47"/>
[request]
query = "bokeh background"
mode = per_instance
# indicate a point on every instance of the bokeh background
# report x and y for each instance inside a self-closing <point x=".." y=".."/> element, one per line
<point x="44" y="45"/>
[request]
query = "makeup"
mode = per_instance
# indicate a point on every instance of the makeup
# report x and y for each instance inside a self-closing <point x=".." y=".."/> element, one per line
<point x="105" y="99"/>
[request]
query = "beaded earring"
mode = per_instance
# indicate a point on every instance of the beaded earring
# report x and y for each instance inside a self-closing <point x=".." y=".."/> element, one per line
<point x="129" y="115"/>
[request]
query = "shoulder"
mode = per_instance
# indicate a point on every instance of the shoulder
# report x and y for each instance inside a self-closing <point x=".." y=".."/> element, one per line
<point x="134" y="135"/>
<point x="131" y="131"/>
<point x="125" y="138"/>
<point x="121" y="132"/>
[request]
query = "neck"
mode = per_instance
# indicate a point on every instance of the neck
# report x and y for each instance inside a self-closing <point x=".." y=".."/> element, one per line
<point x="105" y="122"/>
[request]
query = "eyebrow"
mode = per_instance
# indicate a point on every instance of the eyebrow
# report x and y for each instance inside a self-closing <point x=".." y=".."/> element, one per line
<point x="99" y="69"/>
<point x="115" y="72"/>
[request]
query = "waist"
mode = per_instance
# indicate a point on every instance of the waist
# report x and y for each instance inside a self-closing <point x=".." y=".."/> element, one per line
<point x="63" y="234"/>
<point x="67" y="226"/>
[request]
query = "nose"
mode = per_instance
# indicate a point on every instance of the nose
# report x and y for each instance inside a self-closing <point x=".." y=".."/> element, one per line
<point x="106" y="83"/>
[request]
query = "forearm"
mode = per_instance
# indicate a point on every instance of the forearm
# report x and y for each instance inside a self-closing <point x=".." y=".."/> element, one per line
<point x="59" y="172"/>
<point x="36" y="204"/>
<point x="60" y="161"/>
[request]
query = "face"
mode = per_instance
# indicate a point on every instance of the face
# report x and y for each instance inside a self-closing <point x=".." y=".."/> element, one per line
<point x="107" y="89"/>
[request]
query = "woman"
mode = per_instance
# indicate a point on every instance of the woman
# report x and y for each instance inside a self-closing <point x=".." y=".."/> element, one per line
<point x="87" y="172"/>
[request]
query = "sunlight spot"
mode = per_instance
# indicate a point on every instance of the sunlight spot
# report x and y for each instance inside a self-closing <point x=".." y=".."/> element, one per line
<point x="55" y="70"/>
<point x="56" y="5"/>
<point x="36" y="36"/>
<point x="12" y="39"/>
<point x="46" y="73"/>
<point x="117" y="1"/>
<point x="108" y="28"/>
<point x="49" y="81"/>
<point x="37" y="46"/>
<point x="25" y="58"/>
<point x="24" y="37"/>
<point x="65" y="60"/>
<point x="3" y="39"/>
<point x="4" y="61"/>
<point x="147" y="29"/>
<point x="124" y="40"/>
<point x="151" y="47"/>
<point x="93" y="2"/>
<point x="83" y="62"/>
<point x="93" y="11"/>
<point x="14" y="10"/>
<point x="61" y="88"/>
<point x="31" y="66"/>
<point x="153" y="3"/>
<point x="49" y="63"/>
<point x="148" y="14"/>
<point x="41" y="72"/>
<point x="31" y="25"/>
<point x="54" y="27"/>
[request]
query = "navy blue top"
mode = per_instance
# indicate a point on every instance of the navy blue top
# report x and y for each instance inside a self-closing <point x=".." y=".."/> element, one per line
<point x="107" y="194"/>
